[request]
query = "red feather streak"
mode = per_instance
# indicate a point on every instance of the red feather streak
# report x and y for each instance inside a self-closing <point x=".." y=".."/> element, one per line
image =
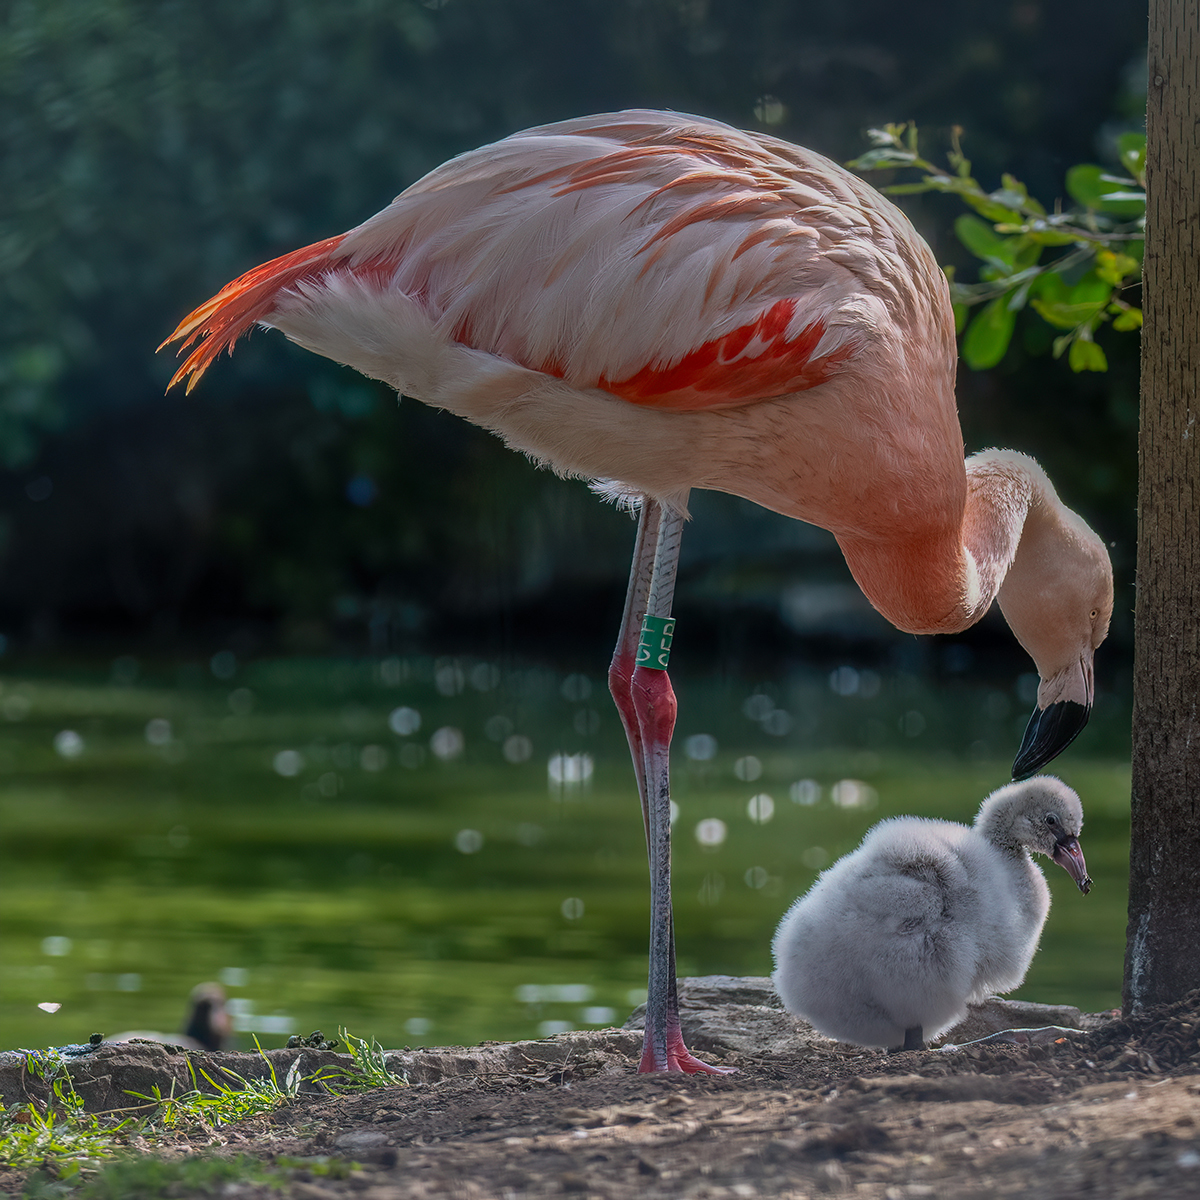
<point x="753" y="362"/>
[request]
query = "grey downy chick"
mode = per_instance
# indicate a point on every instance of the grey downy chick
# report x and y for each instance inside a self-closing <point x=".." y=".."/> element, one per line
<point x="896" y="939"/>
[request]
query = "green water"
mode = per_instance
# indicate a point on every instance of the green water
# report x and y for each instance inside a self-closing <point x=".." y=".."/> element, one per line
<point x="161" y="827"/>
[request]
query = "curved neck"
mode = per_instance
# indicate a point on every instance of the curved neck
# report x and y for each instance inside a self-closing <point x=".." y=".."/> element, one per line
<point x="943" y="581"/>
<point x="995" y="823"/>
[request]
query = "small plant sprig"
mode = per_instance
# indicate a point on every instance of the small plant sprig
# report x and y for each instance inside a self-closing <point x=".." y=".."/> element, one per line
<point x="232" y="1099"/>
<point x="1100" y="242"/>
<point x="60" y="1131"/>
<point x="74" y="1147"/>
<point x="370" y="1059"/>
<point x="235" y="1097"/>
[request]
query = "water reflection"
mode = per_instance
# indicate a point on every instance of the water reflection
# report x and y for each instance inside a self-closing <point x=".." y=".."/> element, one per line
<point x="363" y="871"/>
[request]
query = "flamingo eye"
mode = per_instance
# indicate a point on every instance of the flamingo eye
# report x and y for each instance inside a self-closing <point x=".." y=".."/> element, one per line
<point x="1051" y="819"/>
<point x="1094" y="613"/>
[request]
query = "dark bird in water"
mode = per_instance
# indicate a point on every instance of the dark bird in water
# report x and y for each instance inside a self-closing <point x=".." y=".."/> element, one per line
<point x="207" y="1027"/>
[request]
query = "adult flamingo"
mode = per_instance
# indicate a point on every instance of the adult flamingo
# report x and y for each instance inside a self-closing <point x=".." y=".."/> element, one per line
<point x="658" y="302"/>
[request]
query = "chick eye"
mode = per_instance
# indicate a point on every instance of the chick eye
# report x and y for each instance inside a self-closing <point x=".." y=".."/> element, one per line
<point x="1050" y="819"/>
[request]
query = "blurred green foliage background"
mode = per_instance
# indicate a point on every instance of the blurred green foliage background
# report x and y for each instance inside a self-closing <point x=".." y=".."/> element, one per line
<point x="443" y="850"/>
<point x="194" y="589"/>
<point x="154" y="149"/>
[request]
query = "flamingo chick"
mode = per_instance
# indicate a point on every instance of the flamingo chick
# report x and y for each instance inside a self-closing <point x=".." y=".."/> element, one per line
<point x="658" y="302"/>
<point x="892" y="943"/>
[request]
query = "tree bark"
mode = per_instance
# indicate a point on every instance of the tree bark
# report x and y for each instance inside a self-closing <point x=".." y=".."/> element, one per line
<point x="1162" y="957"/>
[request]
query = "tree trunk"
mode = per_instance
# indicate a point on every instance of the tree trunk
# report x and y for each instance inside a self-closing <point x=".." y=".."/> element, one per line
<point x="1162" y="957"/>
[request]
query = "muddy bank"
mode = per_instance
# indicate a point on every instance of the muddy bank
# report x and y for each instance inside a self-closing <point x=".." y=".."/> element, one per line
<point x="1111" y="1108"/>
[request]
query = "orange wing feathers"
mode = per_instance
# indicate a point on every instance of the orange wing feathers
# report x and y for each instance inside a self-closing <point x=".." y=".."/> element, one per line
<point x="219" y="322"/>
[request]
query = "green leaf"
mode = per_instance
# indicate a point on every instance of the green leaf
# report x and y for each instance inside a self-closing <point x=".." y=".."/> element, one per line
<point x="988" y="335"/>
<point x="1051" y="287"/>
<point x="984" y="242"/>
<point x="1132" y="150"/>
<point x="1088" y="185"/>
<point x="961" y="313"/>
<point x="1085" y="355"/>
<point x="1128" y="319"/>
<point x="1091" y="289"/>
<point x="1019" y="297"/>
<point x="1021" y="281"/>
<point x="1051" y="237"/>
<point x="1113" y="268"/>
<point x="883" y="156"/>
<point x="1016" y="195"/>
<point x="1026" y="253"/>
<point x="999" y="214"/>
<point x="1064" y="316"/>
<point x="1068" y="308"/>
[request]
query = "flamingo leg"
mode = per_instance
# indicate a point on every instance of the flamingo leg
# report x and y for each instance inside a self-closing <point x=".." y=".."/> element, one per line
<point x="620" y="671"/>
<point x="646" y="702"/>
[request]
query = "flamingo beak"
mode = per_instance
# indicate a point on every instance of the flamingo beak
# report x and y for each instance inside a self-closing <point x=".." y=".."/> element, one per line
<point x="1049" y="732"/>
<point x="1069" y="856"/>
<point x="1063" y="705"/>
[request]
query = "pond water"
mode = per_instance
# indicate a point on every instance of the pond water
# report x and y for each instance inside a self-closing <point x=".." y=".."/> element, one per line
<point x="434" y="851"/>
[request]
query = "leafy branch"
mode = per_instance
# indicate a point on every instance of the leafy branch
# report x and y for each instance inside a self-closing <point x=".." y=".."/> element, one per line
<point x="1094" y="248"/>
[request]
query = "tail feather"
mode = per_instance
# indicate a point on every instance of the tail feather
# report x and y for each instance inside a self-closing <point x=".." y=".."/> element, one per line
<point x="219" y="322"/>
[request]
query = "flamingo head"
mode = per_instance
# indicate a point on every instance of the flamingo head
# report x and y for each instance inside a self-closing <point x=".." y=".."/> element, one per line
<point x="1041" y="814"/>
<point x="1057" y="599"/>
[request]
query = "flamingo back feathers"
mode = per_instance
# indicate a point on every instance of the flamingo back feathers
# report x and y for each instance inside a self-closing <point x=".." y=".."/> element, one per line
<point x="669" y="260"/>
<point x="631" y="253"/>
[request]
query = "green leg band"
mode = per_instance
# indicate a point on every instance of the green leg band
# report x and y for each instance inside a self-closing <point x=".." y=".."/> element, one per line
<point x="654" y="645"/>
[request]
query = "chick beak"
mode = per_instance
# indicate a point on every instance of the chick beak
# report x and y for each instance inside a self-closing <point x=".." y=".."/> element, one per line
<point x="1069" y="856"/>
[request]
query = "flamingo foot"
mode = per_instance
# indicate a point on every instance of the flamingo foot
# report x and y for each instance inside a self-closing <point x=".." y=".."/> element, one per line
<point x="678" y="1058"/>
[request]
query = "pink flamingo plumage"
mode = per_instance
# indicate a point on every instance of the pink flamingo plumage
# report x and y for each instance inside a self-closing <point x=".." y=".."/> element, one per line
<point x="658" y="302"/>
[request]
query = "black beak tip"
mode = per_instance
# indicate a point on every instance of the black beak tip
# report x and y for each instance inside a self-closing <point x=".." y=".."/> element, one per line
<point x="1049" y="732"/>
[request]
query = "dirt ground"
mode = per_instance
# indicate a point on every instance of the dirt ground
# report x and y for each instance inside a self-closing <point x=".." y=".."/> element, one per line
<point x="1113" y="1112"/>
